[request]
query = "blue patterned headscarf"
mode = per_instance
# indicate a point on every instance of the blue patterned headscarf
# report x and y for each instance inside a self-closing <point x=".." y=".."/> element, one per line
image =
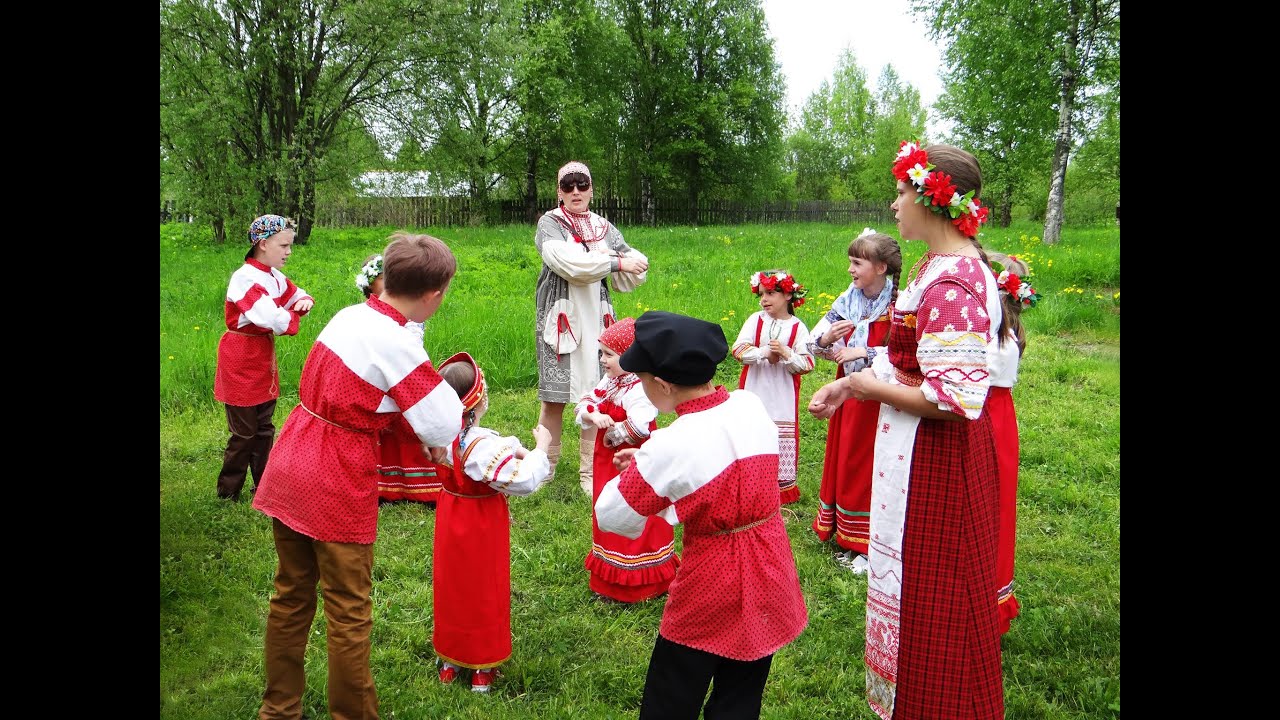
<point x="264" y="227"/>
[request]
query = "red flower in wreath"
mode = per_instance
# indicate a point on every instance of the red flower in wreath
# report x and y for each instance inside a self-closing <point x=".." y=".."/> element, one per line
<point x="939" y="187"/>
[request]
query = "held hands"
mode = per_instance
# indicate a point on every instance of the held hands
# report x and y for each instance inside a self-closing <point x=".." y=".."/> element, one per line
<point x="622" y="458"/>
<point x="838" y="329"/>
<point x="862" y="383"/>
<point x="599" y="420"/>
<point x="304" y="305"/>
<point x="828" y="398"/>
<point x="541" y="438"/>
<point x="437" y="454"/>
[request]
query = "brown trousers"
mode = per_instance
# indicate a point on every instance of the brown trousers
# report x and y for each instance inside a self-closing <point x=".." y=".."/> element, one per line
<point x="252" y="435"/>
<point x="345" y="574"/>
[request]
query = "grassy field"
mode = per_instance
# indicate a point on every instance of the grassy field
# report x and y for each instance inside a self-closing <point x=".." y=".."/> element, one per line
<point x="575" y="657"/>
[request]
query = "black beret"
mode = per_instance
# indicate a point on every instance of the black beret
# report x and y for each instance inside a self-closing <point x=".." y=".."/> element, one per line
<point x="677" y="348"/>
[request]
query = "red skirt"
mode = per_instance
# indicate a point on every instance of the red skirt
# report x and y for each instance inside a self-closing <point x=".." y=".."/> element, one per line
<point x="845" y="493"/>
<point x="1004" y="424"/>
<point x="404" y="470"/>
<point x="623" y="569"/>
<point x="471" y="580"/>
<point x="949" y="647"/>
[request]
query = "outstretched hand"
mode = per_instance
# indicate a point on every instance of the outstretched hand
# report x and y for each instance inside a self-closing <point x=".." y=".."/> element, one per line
<point x="304" y="304"/>
<point x="828" y="398"/>
<point x="541" y="437"/>
<point x="622" y="458"/>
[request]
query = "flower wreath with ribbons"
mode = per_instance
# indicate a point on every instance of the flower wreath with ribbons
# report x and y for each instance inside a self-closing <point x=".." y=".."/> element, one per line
<point x="1015" y="285"/>
<point x="936" y="191"/>
<point x="781" y="282"/>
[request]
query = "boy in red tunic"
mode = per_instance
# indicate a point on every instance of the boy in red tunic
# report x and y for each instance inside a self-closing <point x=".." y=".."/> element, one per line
<point x="736" y="598"/>
<point x="321" y="483"/>
<point x="260" y="304"/>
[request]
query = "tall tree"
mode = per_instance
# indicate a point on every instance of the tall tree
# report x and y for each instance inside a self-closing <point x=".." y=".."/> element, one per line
<point x="286" y="73"/>
<point x="1008" y="44"/>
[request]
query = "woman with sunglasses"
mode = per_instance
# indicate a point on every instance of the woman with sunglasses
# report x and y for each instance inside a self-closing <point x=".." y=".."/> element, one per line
<point x="581" y="254"/>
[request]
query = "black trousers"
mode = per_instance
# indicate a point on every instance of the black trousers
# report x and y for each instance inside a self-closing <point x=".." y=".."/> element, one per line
<point x="678" y="678"/>
<point x="253" y="433"/>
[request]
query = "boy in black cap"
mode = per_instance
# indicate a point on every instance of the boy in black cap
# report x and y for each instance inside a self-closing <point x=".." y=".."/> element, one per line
<point x="736" y="598"/>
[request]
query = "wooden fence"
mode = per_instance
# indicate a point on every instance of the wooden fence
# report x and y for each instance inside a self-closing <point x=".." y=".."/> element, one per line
<point x="455" y="211"/>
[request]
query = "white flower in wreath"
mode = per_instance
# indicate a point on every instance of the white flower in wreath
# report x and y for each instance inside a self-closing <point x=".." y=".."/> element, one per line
<point x="780" y="276"/>
<point x="907" y="149"/>
<point x="918" y="174"/>
<point x="933" y="313"/>
<point x="951" y="295"/>
<point x="1003" y="278"/>
<point x="755" y="280"/>
<point x="956" y="199"/>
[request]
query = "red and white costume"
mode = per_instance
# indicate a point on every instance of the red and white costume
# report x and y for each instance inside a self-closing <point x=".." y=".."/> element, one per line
<point x="471" y="556"/>
<point x="363" y="371"/>
<point x="736" y="594"/>
<point x="933" y="641"/>
<point x="259" y="306"/>
<point x="844" y="496"/>
<point x="625" y="569"/>
<point x="1004" y="423"/>
<point x="777" y="384"/>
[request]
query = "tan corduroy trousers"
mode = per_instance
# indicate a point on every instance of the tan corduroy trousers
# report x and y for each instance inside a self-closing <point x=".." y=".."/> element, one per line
<point x="344" y="572"/>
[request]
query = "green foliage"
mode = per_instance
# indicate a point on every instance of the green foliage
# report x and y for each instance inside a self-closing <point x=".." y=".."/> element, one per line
<point x="574" y="656"/>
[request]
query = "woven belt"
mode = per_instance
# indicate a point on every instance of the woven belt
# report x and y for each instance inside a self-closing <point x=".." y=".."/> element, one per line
<point x="748" y="526"/>
<point x="461" y="495"/>
<point x="908" y="378"/>
<point x="326" y="420"/>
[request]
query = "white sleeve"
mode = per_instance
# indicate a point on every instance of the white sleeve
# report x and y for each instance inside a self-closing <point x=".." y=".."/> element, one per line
<point x="492" y="460"/>
<point x="568" y="259"/>
<point x="256" y="304"/>
<point x="744" y="349"/>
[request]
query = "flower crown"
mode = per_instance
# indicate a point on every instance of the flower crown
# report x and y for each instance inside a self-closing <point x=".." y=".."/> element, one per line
<point x="1015" y="285"/>
<point x="782" y="282"/>
<point x="966" y="211"/>
<point x="369" y="273"/>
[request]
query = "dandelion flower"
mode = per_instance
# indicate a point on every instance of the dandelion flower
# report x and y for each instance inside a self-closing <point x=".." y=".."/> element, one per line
<point x="196" y="327"/>
<point x="170" y="357"/>
<point x="1116" y="296"/>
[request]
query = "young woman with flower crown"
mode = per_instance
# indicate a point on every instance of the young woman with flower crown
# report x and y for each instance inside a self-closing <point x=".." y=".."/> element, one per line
<point x="582" y="253"/>
<point x="932" y="630"/>
<point x="850" y="335"/>
<point x="1016" y="293"/>
<point x="621" y="568"/>
<point x="404" y="470"/>
<point x="773" y="347"/>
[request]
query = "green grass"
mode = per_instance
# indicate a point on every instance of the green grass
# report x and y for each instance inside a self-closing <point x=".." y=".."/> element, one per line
<point x="575" y="657"/>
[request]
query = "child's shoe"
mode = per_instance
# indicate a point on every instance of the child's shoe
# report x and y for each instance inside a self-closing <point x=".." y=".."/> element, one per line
<point x="481" y="680"/>
<point x="448" y="672"/>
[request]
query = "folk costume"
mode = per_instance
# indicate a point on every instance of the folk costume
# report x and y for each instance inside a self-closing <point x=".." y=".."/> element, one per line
<point x="932" y="635"/>
<point x="777" y="384"/>
<point x="471" y="556"/>
<point x="621" y="568"/>
<point x="404" y="470"/>
<point x="736" y="598"/>
<point x="258" y="306"/>
<point x="844" y="496"/>
<point x="1004" y="423"/>
<point x="321" y="491"/>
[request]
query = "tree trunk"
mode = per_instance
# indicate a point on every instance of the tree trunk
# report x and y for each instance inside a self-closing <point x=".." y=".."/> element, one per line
<point x="1062" y="143"/>
<point x="531" y="186"/>
<point x="219" y="230"/>
<point x="646" y="201"/>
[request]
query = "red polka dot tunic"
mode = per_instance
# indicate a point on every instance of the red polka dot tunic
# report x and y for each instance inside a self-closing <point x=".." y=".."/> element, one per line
<point x="737" y="593"/>
<point x="259" y="306"/>
<point x="365" y="367"/>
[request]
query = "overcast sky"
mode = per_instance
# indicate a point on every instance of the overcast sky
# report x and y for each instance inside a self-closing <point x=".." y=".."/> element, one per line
<point x="809" y="35"/>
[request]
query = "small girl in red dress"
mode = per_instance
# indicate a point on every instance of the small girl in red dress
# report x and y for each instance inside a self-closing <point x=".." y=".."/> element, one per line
<point x="471" y="570"/>
<point x="623" y="569"/>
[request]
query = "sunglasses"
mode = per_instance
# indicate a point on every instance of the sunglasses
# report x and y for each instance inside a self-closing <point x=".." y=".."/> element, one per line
<point x="568" y="184"/>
